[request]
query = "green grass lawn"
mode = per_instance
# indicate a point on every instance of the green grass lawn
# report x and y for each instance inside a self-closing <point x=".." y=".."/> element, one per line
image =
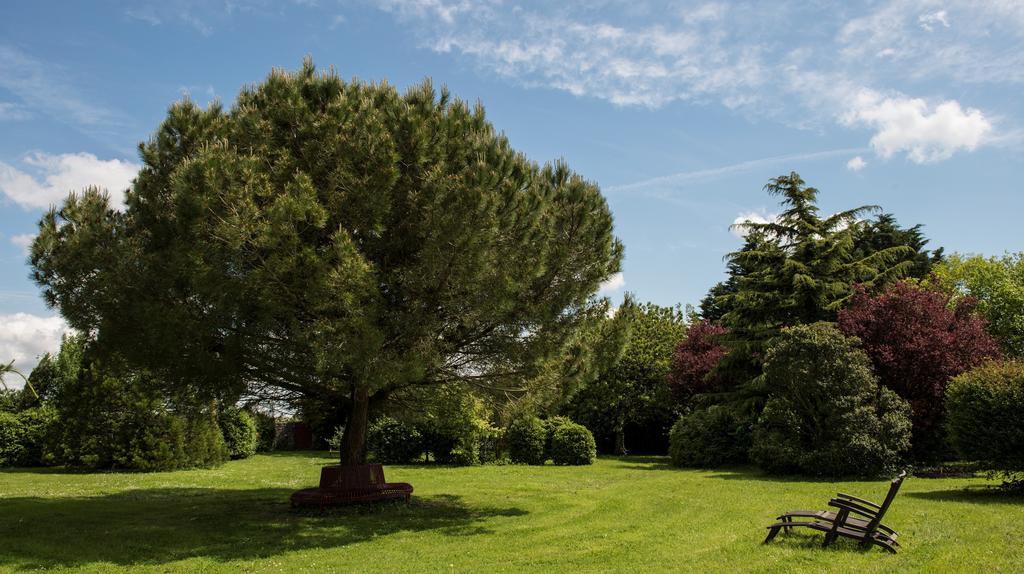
<point x="627" y="515"/>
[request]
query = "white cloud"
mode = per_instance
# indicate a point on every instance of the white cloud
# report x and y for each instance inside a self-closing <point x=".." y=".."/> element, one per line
<point x="928" y="21"/>
<point x="24" y="338"/>
<point x="751" y="217"/>
<point x="54" y="176"/>
<point x="652" y="54"/>
<point x="611" y="285"/>
<point x="856" y="164"/>
<point x="24" y="241"/>
<point x="927" y="133"/>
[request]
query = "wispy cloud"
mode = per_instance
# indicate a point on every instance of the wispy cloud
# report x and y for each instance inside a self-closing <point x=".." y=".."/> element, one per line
<point x="10" y="112"/>
<point x="676" y="180"/>
<point x="653" y="54"/>
<point x="43" y="86"/>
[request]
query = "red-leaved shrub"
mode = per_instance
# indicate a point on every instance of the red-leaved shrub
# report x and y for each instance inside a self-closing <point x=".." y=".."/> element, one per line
<point x="694" y="360"/>
<point x="917" y="341"/>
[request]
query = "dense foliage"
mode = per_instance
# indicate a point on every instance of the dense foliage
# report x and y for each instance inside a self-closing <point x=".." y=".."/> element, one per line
<point x="984" y="407"/>
<point x="707" y="437"/>
<point x="97" y="414"/>
<point x="917" y="340"/>
<point x="241" y="436"/>
<point x="632" y="391"/>
<point x="884" y="232"/>
<point x="802" y="267"/>
<point x="573" y="444"/>
<point x="392" y="441"/>
<point x="332" y="240"/>
<point x="695" y="359"/>
<point x="826" y="413"/>
<point x="997" y="284"/>
<point x="525" y="438"/>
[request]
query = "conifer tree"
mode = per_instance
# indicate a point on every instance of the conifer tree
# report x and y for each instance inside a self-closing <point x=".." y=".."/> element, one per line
<point x="801" y="268"/>
<point x="332" y="240"/>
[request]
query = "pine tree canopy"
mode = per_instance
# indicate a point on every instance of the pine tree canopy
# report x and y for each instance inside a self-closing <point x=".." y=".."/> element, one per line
<point x="800" y="268"/>
<point x="335" y="239"/>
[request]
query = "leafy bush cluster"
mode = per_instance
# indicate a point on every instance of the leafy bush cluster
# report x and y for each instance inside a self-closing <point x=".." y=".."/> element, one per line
<point x="917" y="340"/>
<point x="24" y="436"/>
<point x="391" y="441"/>
<point x="984" y="416"/>
<point x="709" y="437"/>
<point x="452" y="427"/>
<point x="97" y="414"/>
<point x="526" y="438"/>
<point x="826" y="414"/>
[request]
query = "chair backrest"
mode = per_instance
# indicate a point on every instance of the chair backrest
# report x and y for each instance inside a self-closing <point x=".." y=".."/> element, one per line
<point x="894" y="487"/>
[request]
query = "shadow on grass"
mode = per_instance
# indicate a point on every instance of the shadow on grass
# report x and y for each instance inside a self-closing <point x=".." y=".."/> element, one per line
<point x="160" y="525"/>
<point x="983" y="494"/>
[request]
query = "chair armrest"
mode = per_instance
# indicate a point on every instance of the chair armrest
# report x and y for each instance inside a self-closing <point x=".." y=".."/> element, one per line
<point x="861" y="501"/>
<point x="853" y="507"/>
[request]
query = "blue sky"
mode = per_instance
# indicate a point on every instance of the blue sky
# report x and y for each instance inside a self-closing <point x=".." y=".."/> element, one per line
<point x="680" y="111"/>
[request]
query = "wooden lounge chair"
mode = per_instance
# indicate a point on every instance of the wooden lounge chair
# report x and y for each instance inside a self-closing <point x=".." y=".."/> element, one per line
<point x="867" y="529"/>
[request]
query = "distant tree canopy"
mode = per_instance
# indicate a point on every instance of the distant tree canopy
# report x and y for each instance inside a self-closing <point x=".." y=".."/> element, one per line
<point x="997" y="285"/>
<point x="633" y="390"/>
<point x="336" y="240"/>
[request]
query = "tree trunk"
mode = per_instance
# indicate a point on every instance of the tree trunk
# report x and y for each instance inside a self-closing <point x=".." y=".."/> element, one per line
<point x="620" y="438"/>
<point x="353" y="447"/>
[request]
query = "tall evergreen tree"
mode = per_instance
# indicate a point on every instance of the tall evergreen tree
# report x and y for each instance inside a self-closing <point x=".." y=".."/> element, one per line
<point x="884" y="232"/>
<point x="335" y="240"/>
<point x="802" y="267"/>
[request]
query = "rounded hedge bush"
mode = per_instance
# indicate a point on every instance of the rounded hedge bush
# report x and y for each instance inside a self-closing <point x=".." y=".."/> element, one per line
<point x="526" y="437"/>
<point x="706" y="438"/>
<point x="241" y="434"/>
<point x="391" y="441"/>
<point x="985" y="415"/>
<point x="573" y="444"/>
<point x="550" y="426"/>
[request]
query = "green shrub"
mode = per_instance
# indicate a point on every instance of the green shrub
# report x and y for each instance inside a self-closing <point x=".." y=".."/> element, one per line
<point x="12" y="432"/>
<point x="709" y="437"/>
<point x="25" y="437"/>
<point x="826" y="413"/>
<point x="204" y="443"/>
<point x="240" y="433"/>
<point x="573" y="444"/>
<point x="393" y="442"/>
<point x="526" y="435"/>
<point x="984" y="417"/>
<point x="266" y="428"/>
<point x="455" y="426"/>
<point x="39" y="425"/>
<point x="550" y="426"/>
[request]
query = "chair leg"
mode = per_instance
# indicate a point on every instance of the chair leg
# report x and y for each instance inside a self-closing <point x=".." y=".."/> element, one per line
<point x="772" y="533"/>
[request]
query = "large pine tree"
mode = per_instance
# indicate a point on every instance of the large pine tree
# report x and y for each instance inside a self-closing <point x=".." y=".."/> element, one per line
<point x="332" y="240"/>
